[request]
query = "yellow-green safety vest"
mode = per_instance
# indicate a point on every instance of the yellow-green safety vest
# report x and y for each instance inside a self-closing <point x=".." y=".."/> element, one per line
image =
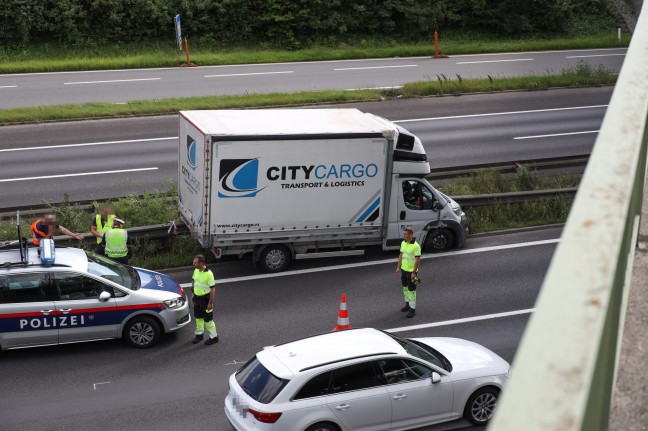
<point x="410" y="252"/>
<point x="116" y="243"/>
<point x="203" y="281"/>
<point x="103" y="227"/>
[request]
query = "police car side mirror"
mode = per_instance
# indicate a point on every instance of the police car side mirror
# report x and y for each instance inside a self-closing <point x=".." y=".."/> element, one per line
<point x="104" y="296"/>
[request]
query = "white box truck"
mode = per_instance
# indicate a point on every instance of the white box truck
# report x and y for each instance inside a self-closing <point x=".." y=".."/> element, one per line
<point x="287" y="184"/>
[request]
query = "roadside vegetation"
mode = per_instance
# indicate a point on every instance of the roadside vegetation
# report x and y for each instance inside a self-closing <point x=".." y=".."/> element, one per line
<point x="40" y="58"/>
<point x="504" y="216"/>
<point x="161" y="207"/>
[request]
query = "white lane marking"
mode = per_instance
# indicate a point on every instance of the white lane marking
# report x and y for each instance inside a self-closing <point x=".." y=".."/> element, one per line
<point x="249" y="74"/>
<point x="114" y="80"/>
<point x="80" y="174"/>
<point x="87" y="144"/>
<point x="597" y="55"/>
<point x="235" y="362"/>
<point x="380" y="262"/>
<point x="8" y="86"/>
<point x="94" y="385"/>
<point x="494" y="61"/>
<point x="397" y="121"/>
<point x="492" y="114"/>
<point x="464" y="320"/>
<point x="375" y="67"/>
<point x="556" y="134"/>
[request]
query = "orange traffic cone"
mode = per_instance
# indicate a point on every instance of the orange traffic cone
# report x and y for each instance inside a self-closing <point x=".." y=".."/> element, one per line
<point x="343" y="316"/>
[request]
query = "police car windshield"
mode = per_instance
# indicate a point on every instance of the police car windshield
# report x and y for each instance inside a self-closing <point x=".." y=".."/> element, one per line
<point x="110" y="270"/>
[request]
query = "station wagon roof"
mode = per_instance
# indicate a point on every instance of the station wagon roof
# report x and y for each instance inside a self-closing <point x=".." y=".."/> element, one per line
<point x="285" y="360"/>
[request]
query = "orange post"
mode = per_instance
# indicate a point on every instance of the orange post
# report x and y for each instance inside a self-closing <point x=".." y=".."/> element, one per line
<point x="436" y="46"/>
<point x="188" y="63"/>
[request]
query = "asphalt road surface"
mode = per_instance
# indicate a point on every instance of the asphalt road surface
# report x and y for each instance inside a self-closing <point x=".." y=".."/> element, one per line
<point x="106" y="158"/>
<point x="485" y="293"/>
<point x="122" y="86"/>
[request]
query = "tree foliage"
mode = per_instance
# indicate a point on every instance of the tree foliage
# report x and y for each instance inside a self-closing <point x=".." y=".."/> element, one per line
<point x="284" y="23"/>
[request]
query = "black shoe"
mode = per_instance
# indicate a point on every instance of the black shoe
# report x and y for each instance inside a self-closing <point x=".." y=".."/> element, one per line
<point x="197" y="339"/>
<point x="405" y="308"/>
<point x="211" y="341"/>
<point x="411" y="313"/>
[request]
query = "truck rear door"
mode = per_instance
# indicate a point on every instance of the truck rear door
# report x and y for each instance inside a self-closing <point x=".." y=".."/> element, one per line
<point x="191" y="181"/>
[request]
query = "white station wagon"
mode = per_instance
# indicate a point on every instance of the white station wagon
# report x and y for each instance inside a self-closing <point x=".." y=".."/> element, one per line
<point x="365" y="380"/>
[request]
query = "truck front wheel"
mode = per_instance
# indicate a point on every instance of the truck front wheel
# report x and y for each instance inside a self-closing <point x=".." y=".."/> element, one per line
<point x="275" y="258"/>
<point x="439" y="240"/>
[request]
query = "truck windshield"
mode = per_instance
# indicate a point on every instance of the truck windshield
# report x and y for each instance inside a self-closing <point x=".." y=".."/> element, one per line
<point x="110" y="270"/>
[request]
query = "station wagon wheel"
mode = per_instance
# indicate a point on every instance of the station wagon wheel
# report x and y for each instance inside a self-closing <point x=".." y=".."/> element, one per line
<point x="481" y="405"/>
<point x="323" y="426"/>
<point x="142" y="332"/>
<point x="275" y="258"/>
<point x="439" y="240"/>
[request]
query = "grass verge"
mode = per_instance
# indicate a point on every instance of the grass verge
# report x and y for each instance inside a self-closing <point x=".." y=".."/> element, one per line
<point x="53" y="58"/>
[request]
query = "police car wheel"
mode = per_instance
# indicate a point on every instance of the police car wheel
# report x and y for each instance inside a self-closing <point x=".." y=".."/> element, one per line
<point x="142" y="332"/>
<point x="439" y="240"/>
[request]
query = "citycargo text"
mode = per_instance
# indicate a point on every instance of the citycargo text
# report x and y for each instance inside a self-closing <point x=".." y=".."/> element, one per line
<point x="322" y="172"/>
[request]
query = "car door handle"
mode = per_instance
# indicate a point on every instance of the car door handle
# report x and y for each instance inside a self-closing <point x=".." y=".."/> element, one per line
<point x="400" y="396"/>
<point x="342" y="406"/>
<point x="65" y="310"/>
<point x="46" y="312"/>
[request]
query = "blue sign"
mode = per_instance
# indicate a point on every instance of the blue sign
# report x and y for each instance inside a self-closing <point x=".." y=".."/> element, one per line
<point x="178" y="31"/>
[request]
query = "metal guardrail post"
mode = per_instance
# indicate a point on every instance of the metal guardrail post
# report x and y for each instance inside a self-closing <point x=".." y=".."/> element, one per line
<point x="564" y="371"/>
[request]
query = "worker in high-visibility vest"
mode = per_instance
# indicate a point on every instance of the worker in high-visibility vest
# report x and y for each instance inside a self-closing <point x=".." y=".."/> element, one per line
<point x="102" y="221"/>
<point x="203" y="288"/>
<point x="45" y="228"/>
<point x="408" y="266"/>
<point x="115" y="242"/>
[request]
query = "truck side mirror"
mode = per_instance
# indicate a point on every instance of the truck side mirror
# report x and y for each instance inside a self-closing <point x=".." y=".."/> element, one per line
<point x="436" y="206"/>
<point x="402" y="215"/>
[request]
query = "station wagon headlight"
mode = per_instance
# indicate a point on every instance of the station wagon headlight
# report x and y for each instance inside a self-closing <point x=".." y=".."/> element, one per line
<point x="176" y="302"/>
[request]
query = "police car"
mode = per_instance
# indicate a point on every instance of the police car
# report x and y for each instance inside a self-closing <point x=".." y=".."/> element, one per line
<point x="66" y="295"/>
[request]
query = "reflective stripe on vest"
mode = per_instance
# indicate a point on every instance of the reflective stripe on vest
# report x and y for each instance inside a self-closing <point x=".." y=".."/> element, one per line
<point x="39" y="233"/>
<point x="116" y="243"/>
<point x="102" y="228"/>
<point x="410" y="252"/>
<point x="203" y="281"/>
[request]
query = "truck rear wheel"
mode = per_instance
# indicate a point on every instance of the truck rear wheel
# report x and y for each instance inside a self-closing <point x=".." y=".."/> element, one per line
<point x="275" y="258"/>
<point x="439" y="240"/>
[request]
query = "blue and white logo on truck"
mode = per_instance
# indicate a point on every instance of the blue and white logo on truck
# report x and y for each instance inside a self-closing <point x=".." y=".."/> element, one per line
<point x="191" y="152"/>
<point x="239" y="178"/>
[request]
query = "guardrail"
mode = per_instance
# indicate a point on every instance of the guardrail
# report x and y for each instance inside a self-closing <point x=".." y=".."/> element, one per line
<point x="564" y="370"/>
<point x="178" y="227"/>
<point x="435" y="174"/>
